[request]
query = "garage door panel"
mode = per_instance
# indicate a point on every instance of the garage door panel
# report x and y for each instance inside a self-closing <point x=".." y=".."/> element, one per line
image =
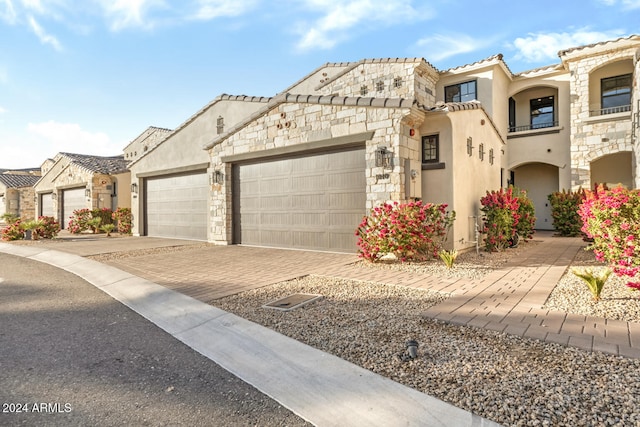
<point x="72" y="200"/>
<point x="307" y="202"/>
<point x="176" y="206"/>
<point x="46" y="201"/>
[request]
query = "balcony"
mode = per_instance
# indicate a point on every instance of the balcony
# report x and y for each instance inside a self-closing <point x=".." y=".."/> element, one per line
<point x="533" y="127"/>
<point x="610" y="110"/>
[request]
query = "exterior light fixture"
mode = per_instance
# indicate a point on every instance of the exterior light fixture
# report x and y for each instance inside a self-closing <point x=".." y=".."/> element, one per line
<point x="134" y="188"/>
<point x="54" y="196"/>
<point x="412" y="348"/>
<point x="491" y="157"/>
<point x="383" y="157"/>
<point x="481" y="152"/>
<point x="87" y="192"/>
<point x="470" y="146"/>
<point x="217" y="177"/>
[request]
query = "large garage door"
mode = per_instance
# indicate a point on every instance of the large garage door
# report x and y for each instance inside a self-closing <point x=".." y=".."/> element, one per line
<point x="46" y="204"/>
<point x="311" y="202"/>
<point x="72" y="199"/>
<point x="176" y="206"/>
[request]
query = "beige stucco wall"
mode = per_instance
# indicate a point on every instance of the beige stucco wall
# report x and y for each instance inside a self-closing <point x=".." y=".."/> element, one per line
<point x="183" y="151"/>
<point x="613" y="169"/>
<point x="465" y="179"/>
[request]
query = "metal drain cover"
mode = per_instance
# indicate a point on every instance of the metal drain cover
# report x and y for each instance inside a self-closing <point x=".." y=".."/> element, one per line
<point x="292" y="302"/>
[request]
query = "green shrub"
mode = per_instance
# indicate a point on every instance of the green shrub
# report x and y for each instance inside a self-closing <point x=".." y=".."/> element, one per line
<point x="564" y="211"/>
<point x="526" y="214"/>
<point x="80" y="221"/>
<point x="410" y="231"/>
<point x="9" y="218"/>
<point x="105" y="215"/>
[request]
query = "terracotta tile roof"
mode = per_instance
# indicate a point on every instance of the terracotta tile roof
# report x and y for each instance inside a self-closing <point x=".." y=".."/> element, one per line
<point x="573" y="49"/>
<point x="16" y="181"/>
<point x="98" y="164"/>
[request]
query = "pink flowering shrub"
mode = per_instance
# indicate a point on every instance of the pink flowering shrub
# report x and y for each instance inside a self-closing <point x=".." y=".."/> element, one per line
<point x="12" y="231"/>
<point x="80" y="221"/>
<point x="410" y="231"/>
<point x="506" y="213"/>
<point x="612" y="219"/>
<point x="124" y="218"/>
<point x="48" y="227"/>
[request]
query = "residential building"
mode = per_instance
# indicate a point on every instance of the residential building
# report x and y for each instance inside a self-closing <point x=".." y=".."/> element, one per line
<point x="77" y="181"/>
<point x="17" y="196"/>
<point x="300" y="169"/>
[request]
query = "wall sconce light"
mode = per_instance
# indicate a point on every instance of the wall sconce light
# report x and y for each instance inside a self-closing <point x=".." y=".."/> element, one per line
<point x="491" y="157"/>
<point x="383" y="157"/>
<point x="54" y="196"/>
<point x="217" y="177"/>
<point x="87" y="192"/>
<point x="412" y="132"/>
<point x="134" y="188"/>
<point x="481" y="152"/>
<point x="470" y="146"/>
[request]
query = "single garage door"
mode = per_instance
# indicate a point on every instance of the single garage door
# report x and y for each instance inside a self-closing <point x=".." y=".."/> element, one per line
<point x="46" y="204"/>
<point x="311" y="202"/>
<point x="72" y="199"/>
<point x="176" y="206"/>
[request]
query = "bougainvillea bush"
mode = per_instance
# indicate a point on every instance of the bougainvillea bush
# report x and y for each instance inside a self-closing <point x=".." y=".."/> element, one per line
<point x="80" y="221"/>
<point x="410" y="231"/>
<point x="12" y="231"/>
<point x="48" y="227"/>
<point x="612" y="219"/>
<point x="564" y="211"/>
<point x="506" y="213"/>
<point x="124" y="219"/>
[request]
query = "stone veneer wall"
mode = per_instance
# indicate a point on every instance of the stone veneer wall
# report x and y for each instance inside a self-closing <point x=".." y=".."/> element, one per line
<point x="298" y="123"/>
<point x="594" y="137"/>
<point x="418" y="81"/>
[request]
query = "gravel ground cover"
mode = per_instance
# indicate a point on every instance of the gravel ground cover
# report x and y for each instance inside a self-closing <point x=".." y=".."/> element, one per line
<point x="508" y="379"/>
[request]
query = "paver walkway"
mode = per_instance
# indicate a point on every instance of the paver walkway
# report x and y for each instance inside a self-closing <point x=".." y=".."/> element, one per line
<point x="509" y="299"/>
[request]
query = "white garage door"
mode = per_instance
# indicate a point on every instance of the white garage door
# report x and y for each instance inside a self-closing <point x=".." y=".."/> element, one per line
<point x="311" y="202"/>
<point x="46" y="204"/>
<point x="72" y="199"/>
<point x="176" y="206"/>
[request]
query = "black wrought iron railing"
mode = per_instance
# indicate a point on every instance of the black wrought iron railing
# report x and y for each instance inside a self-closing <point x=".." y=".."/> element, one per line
<point x="533" y="127"/>
<point x="610" y="110"/>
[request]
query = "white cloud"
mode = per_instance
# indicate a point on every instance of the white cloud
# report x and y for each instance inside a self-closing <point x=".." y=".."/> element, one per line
<point x="443" y="46"/>
<point x="7" y="11"/>
<point x="130" y="13"/>
<point x="70" y="137"/>
<point x="626" y="4"/>
<point x="44" y="37"/>
<point x="3" y="110"/>
<point x="210" y="9"/>
<point x="341" y="18"/>
<point x="545" y="46"/>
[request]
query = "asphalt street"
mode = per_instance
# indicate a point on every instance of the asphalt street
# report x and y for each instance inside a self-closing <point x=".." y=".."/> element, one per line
<point x="71" y="355"/>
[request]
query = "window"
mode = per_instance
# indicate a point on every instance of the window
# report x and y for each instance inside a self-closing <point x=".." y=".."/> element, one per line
<point x="542" y="112"/>
<point x="397" y="82"/>
<point x="220" y="125"/>
<point x="380" y="86"/>
<point x="616" y="94"/>
<point x="430" y="149"/>
<point x="462" y="92"/>
<point x="364" y="90"/>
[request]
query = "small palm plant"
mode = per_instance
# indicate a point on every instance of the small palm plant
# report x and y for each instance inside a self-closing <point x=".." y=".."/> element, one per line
<point x="594" y="281"/>
<point x="107" y="228"/>
<point x="449" y="257"/>
<point x="94" y="224"/>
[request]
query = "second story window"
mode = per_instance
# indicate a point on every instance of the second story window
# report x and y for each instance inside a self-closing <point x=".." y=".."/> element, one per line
<point x="430" y="149"/>
<point x="461" y="92"/>
<point x="220" y="125"/>
<point x="616" y="94"/>
<point x="364" y="90"/>
<point x="542" y="112"/>
<point x="379" y="85"/>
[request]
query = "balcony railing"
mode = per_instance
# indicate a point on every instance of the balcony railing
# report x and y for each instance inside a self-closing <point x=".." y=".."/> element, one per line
<point x="532" y="127"/>
<point x="610" y="110"/>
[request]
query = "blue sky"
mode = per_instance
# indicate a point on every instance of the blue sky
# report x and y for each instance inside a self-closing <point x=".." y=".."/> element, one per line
<point x="88" y="76"/>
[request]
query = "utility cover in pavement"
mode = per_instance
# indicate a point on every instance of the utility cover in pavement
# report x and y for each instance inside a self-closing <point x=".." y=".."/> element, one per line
<point x="292" y="302"/>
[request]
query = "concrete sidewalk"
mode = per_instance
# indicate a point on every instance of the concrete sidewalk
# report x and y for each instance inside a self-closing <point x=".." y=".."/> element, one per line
<point x="319" y="387"/>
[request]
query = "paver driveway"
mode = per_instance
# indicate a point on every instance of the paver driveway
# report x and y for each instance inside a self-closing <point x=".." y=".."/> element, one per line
<point x="211" y="272"/>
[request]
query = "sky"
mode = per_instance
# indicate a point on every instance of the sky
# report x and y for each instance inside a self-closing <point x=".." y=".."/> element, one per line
<point x="89" y="76"/>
